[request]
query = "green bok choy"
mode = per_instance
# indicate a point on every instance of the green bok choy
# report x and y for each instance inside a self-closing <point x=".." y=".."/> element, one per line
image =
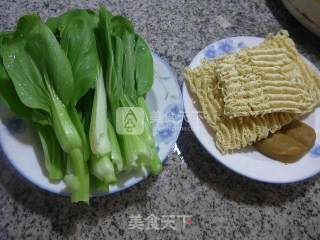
<point x="68" y="77"/>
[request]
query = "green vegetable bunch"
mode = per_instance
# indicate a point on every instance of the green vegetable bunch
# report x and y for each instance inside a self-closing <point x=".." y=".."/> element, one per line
<point x="68" y="77"/>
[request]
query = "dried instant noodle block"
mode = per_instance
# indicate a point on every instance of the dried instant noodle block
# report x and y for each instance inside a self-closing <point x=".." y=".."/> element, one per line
<point x="268" y="78"/>
<point x="230" y="133"/>
<point x="309" y="74"/>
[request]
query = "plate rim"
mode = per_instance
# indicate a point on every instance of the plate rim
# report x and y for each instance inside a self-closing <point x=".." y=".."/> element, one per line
<point x="300" y="18"/>
<point x="185" y="91"/>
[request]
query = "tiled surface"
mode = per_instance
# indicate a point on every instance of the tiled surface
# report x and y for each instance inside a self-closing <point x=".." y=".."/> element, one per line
<point x="223" y="205"/>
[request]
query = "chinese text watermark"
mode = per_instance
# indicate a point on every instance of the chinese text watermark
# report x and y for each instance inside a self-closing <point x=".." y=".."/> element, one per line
<point x="153" y="222"/>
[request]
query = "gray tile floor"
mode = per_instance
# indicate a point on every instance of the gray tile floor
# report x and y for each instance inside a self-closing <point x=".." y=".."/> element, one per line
<point x="223" y="205"/>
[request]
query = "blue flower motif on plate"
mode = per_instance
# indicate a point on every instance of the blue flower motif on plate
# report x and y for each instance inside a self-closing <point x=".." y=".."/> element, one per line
<point x="316" y="150"/>
<point x="226" y="46"/>
<point x="222" y="47"/>
<point x="173" y="112"/>
<point x="165" y="132"/>
<point x="15" y="125"/>
<point x="210" y="52"/>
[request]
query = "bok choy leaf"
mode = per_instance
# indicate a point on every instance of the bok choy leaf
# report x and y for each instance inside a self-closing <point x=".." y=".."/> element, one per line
<point x="128" y="54"/>
<point x="69" y="77"/>
<point x="42" y="77"/>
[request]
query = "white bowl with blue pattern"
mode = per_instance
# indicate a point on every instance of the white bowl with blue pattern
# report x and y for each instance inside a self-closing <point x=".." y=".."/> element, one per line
<point x="22" y="147"/>
<point x="249" y="162"/>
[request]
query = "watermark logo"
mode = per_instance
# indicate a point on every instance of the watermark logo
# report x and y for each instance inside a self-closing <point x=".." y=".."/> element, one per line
<point x="130" y="120"/>
<point x="153" y="222"/>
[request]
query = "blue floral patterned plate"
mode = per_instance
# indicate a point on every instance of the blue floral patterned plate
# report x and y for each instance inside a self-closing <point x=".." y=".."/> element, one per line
<point x="250" y="162"/>
<point x="22" y="147"/>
